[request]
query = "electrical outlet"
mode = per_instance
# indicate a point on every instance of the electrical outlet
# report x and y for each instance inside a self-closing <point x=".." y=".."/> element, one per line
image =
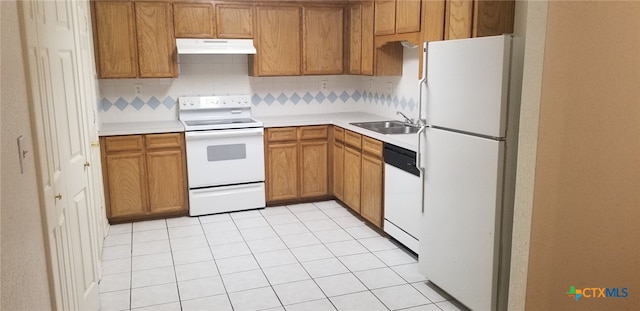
<point x="323" y="85"/>
<point x="389" y="88"/>
<point x="137" y="89"/>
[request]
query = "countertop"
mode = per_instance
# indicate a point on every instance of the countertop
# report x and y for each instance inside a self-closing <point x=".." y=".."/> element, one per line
<point x="132" y="128"/>
<point x="342" y="119"/>
<point x="407" y="141"/>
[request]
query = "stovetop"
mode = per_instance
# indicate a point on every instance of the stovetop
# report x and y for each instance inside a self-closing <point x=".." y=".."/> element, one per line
<point x="199" y="113"/>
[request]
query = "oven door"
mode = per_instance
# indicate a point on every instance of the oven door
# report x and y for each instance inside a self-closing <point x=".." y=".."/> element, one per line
<point x="225" y="157"/>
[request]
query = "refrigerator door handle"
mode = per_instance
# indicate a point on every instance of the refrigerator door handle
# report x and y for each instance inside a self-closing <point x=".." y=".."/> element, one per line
<point x="421" y="120"/>
<point x="419" y="164"/>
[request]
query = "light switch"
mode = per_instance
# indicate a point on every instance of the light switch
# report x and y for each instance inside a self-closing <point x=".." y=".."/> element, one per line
<point x="22" y="153"/>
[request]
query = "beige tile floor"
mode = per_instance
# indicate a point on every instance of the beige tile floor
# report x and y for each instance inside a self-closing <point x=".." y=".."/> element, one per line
<point x="314" y="256"/>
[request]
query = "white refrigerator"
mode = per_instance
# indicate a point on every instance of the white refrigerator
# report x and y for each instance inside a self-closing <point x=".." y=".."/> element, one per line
<point x="467" y="157"/>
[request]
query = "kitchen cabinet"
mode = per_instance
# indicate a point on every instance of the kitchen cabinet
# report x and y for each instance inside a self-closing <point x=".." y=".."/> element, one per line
<point x="322" y="44"/>
<point x="144" y="176"/>
<point x="364" y="57"/>
<point x="115" y="43"/>
<point x="156" y="43"/>
<point x="304" y="39"/>
<point x="352" y="173"/>
<point x="234" y="21"/>
<point x="338" y="163"/>
<point x="358" y="174"/>
<point x="141" y="44"/>
<point x="477" y="18"/>
<point x="398" y="20"/>
<point x="372" y="185"/>
<point x="193" y="20"/>
<point x="278" y="44"/>
<point x="297" y="163"/>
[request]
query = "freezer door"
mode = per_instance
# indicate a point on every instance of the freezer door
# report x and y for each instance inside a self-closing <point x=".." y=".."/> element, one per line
<point x="459" y="238"/>
<point x="467" y="84"/>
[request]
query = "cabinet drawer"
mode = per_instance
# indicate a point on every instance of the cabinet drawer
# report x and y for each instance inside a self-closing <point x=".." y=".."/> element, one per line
<point x="352" y="139"/>
<point x="314" y="132"/>
<point x="158" y="141"/>
<point x="282" y="134"/>
<point x="123" y="143"/>
<point x="372" y="146"/>
<point x="338" y="133"/>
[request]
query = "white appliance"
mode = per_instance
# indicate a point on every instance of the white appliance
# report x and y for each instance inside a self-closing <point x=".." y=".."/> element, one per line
<point x="467" y="155"/>
<point x="225" y="154"/>
<point x="215" y="46"/>
<point x="402" y="189"/>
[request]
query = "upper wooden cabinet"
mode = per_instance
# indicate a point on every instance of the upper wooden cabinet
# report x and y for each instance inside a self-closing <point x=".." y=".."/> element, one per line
<point x="115" y="42"/>
<point x="298" y="39"/>
<point x="134" y="39"/>
<point x="364" y="57"/>
<point x="477" y="18"/>
<point x="397" y="17"/>
<point x="193" y="20"/>
<point x="156" y="43"/>
<point x="323" y="40"/>
<point x="234" y="21"/>
<point x="278" y="44"/>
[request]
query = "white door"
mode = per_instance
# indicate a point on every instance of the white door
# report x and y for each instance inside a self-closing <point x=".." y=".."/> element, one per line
<point x="467" y="84"/>
<point x="54" y="67"/>
<point x="463" y="200"/>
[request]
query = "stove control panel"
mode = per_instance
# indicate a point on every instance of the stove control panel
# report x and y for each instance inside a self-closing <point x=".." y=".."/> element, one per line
<point x="214" y="102"/>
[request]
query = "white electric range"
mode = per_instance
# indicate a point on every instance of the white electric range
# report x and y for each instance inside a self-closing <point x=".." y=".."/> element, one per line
<point x="225" y="154"/>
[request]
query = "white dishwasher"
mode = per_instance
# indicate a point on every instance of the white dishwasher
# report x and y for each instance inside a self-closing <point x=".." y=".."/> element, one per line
<point x="402" y="192"/>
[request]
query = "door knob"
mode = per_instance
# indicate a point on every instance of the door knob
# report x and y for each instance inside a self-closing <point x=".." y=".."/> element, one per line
<point x="58" y="197"/>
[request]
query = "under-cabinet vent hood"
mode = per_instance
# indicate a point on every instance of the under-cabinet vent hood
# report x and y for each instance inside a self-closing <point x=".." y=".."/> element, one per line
<point x="215" y="46"/>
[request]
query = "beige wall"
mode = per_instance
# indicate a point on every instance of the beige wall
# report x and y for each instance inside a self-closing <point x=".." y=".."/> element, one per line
<point x="586" y="204"/>
<point x="24" y="272"/>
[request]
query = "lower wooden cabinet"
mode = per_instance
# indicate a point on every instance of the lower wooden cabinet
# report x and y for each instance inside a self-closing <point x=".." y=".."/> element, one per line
<point x="144" y="176"/>
<point x="296" y="163"/>
<point x="358" y="174"/>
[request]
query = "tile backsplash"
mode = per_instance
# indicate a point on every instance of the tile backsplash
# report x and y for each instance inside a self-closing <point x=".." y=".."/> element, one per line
<point x="227" y="74"/>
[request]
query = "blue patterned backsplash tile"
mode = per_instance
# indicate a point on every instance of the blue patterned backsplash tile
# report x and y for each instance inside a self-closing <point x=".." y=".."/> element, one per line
<point x="270" y="99"/>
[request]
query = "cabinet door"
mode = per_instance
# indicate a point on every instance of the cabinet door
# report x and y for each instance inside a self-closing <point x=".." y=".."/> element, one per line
<point x="385" y="17"/>
<point x="367" y="39"/>
<point x="126" y="184"/>
<point x="458" y="18"/>
<point x="314" y="179"/>
<point x="166" y="181"/>
<point x="278" y="41"/>
<point x="493" y="18"/>
<point x="352" y="172"/>
<point x="115" y="42"/>
<point x="372" y="181"/>
<point x="355" y="39"/>
<point x="408" y="16"/>
<point x="323" y="42"/>
<point x="234" y="21"/>
<point x="282" y="171"/>
<point x="193" y="20"/>
<point x="156" y="43"/>
<point x="338" y="170"/>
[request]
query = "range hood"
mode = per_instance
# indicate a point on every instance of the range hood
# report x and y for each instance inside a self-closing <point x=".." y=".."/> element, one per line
<point x="215" y="46"/>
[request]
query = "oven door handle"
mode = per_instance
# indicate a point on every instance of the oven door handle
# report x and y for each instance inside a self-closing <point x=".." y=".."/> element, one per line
<point x="224" y="133"/>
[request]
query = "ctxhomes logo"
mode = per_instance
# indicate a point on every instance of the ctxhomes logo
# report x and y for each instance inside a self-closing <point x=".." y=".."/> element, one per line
<point x="598" y="292"/>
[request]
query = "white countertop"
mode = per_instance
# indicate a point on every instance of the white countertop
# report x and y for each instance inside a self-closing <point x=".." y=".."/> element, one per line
<point x="407" y="141"/>
<point x="132" y="128"/>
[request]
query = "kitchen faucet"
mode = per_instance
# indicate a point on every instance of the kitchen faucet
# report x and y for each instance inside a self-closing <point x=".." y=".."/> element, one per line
<point x="407" y="120"/>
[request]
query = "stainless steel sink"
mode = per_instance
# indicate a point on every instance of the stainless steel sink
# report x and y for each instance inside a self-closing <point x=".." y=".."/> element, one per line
<point x="388" y="127"/>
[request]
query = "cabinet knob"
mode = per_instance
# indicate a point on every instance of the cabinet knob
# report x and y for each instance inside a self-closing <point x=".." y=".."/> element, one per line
<point x="58" y="197"/>
<point x="87" y="164"/>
